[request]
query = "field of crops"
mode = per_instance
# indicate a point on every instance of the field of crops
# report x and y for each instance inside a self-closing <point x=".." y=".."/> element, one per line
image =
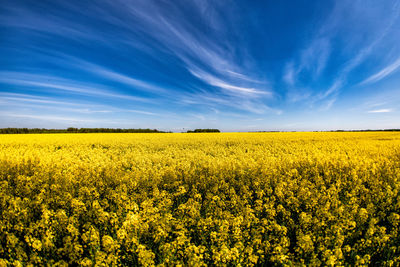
<point x="200" y="199"/>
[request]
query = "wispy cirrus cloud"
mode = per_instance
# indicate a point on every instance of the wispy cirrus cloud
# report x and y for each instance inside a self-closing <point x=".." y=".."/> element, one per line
<point x="332" y="91"/>
<point x="214" y="81"/>
<point x="233" y="102"/>
<point x="55" y="104"/>
<point x="50" y="117"/>
<point x="381" y="29"/>
<point x="206" y="56"/>
<point x="315" y="57"/>
<point x="384" y="110"/>
<point x="62" y="84"/>
<point x="289" y="74"/>
<point x="386" y="71"/>
<point x="109" y="74"/>
<point x="165" y="27"/>
<point x="310" y="63"/>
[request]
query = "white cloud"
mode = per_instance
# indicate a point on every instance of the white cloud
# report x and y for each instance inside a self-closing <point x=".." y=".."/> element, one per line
<point x="54" y="82"/>
<point x="332" y="90"/>
<point x="327" y="105"/>
<point x="385" y="110"/>
<point x="237" y="103"/>
<point x="243" y="77"/>
<point x="315" y="57"/>
<point x="289" y="74"/>
<point x="383" y="72"/>
<point x="214" y="81"/>
<point x="115" y="76"/>
<point x="24" y="100"/>
<point x="50" y="118"/>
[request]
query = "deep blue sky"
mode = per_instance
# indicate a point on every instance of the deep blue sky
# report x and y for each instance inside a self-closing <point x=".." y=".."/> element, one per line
<point x="174" y="65"/>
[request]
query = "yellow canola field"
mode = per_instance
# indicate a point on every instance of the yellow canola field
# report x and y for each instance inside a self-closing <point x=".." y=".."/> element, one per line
<point x="219" y="199"/>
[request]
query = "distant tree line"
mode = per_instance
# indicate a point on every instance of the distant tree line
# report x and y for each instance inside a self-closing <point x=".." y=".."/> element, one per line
<point x="204" y="131"/>
<point x="369" y="130"/>
<point x="75" y="130"/>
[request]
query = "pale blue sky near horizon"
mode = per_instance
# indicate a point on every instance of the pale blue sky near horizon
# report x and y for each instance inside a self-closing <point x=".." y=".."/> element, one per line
<point x="180" y="65"/>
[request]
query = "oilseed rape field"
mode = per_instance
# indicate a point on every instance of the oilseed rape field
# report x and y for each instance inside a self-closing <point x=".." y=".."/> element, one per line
<point x="223" y="199"/>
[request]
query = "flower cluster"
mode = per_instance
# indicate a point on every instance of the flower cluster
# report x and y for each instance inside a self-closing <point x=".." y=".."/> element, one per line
<point x="207" y="199"/>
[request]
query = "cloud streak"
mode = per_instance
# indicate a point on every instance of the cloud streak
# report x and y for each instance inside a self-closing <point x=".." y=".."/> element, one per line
<point x="385" y="110"/>
<point x="24" y="101"/>
<point x="315" y="58"/>
<point x="386" y="71"/>
<point x="61" y="84"/>
<point x="214" y="81"/>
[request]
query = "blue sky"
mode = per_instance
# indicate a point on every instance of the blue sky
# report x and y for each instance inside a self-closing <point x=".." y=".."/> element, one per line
<point x="179" y="65"/>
